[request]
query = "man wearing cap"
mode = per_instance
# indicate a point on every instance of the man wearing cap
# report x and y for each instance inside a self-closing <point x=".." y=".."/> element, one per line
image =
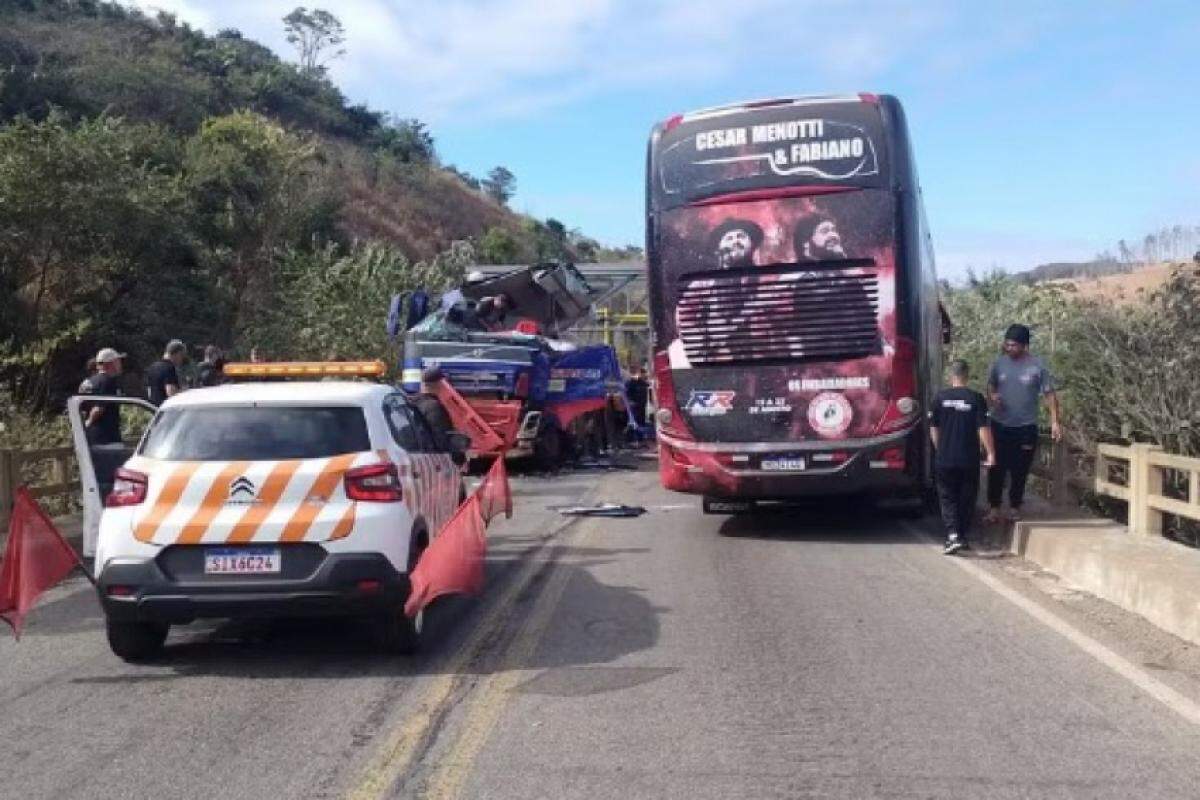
<point x="162" y="378"/>
<point x="102" y="421"/>
<point x="1017" y="381"/>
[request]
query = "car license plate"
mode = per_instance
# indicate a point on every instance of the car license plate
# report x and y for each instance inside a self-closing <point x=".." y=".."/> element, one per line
<point x="788" y="464"/>
<point x="242" y="561"/>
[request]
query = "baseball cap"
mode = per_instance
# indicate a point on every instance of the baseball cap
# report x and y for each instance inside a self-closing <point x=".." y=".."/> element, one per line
<point x="107" y="354"/>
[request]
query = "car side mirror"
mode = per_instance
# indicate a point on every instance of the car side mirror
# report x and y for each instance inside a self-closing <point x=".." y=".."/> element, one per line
<point x="459" y="444"/>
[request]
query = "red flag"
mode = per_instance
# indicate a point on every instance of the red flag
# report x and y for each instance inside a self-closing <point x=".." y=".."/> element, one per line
<point x="494" y="493"/>
<point x="453" y="562"/>
<point x="36" y="558"/>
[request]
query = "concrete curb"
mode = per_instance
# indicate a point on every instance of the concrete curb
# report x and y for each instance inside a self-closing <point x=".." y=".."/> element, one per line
<point x="1153" y="577"/>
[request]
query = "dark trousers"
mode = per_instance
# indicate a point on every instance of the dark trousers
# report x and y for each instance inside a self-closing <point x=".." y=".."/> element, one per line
<point x="958" y="488"/>
<point x="1015" y="448"/>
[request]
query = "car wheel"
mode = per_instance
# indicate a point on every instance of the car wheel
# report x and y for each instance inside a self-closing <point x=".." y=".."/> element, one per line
<point x="398" y="634"/>
<point x="136" y="641"/>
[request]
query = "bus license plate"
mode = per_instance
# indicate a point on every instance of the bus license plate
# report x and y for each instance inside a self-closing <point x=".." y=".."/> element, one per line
<point x="789" y="464"/>
<point x="242" y="561"/>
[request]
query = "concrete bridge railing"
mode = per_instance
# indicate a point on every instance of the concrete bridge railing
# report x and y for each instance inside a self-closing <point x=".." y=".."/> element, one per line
<point x="1155" y="484"/>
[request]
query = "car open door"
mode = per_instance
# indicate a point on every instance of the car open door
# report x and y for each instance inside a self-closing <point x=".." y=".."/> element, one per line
<point x="98" y="463"/>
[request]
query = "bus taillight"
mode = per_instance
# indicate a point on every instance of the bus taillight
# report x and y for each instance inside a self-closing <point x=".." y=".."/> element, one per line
<point x="903" y="405"/>
<point x="670" y="421"/>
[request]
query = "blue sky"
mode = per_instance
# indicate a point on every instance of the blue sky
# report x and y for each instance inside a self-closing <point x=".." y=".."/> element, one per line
<point x="1043" y="131"/>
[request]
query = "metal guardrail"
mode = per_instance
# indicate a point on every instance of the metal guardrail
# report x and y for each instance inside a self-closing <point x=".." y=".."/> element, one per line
<point x="47" y="472"/>
<point x="1146" y="468"/>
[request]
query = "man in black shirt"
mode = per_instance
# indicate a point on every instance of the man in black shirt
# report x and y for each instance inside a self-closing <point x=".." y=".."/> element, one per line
<point x="210" y="371"/>
<point x="102" y="421"/>
<point x="637" y="389"/>
<point x="162" y="378"/>
<point x="957" y="424"/>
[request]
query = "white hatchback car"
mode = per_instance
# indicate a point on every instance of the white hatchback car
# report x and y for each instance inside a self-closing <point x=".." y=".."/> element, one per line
<point x="272" y="500"/>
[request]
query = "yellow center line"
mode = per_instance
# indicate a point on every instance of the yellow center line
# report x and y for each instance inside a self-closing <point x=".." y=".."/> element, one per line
<point x="492" y="697"/>
<point x="396" y="755"/>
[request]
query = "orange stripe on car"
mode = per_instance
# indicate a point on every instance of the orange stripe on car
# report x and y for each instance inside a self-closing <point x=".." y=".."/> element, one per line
<point x="166" y="501"/>
<point x="268" y="498"/>
<point x="316" y="497"/>
<point x="345" y="524"/>
<point x="211" y="505"/>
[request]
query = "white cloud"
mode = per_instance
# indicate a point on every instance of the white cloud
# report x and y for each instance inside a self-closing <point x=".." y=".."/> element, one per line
<point x="457" y="60"/>
<point x="185" y="10"/>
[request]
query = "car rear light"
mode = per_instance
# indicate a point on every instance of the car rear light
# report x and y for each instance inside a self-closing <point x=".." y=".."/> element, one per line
<point x="836" y="457"/>
<point x="375" y="483"/>
<point x="670" y="421"/>
<point x="869" y="97"/>
<point x="522" y="386"/>
<point x="369" y="585"/>
<point x="129" y="489"/>
<point x="902" y="408"/>
<point x="893" y="457"/>
<point x="672" y="123"/>
<point x="119" y="590"/>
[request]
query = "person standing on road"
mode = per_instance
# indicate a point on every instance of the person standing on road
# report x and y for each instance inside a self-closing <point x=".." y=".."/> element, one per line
<point x="162" y="378"/>
<point x="637" y="389"/>
<point x="1015" y="383"/>
<point x="957" y="424"/>
<point x="431" y="407"/>
<point x="102" y="421"/>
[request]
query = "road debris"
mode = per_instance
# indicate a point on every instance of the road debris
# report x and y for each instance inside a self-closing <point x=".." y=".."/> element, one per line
<point x="603" y="510"/>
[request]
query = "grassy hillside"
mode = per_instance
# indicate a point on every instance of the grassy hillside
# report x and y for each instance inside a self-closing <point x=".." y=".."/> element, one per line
<point x="89" y="59"/>
<point x="157" y="182"/>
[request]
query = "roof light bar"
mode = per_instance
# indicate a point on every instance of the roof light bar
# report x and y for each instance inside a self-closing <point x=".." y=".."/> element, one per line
<point x="306" y="369"/>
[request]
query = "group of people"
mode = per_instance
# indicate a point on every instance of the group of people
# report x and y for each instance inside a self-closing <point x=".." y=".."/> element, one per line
<point x="163" y="379"/>
<point x="1005" y="423"/>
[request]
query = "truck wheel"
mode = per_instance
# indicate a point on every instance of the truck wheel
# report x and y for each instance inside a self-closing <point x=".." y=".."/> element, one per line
<point x="548" y="446"/>
<point x="136" y="641"/>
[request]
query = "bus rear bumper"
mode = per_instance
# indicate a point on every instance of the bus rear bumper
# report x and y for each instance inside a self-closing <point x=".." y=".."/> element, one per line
<point x="885" y="466"/>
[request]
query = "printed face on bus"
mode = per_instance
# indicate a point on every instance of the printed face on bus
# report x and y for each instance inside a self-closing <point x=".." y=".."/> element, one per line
<point x="818" y="239"/>
<point x="735" y="248"/>
<point x="827" y="239"/>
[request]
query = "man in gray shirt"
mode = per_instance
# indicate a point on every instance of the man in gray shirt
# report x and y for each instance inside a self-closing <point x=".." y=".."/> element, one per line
<point x="1017" y="381"/>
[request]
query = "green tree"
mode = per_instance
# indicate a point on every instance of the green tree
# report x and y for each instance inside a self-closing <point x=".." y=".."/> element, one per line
<point x="331" y="303"/>
<point x="500" y="184"/>
<point x="256" y="191"/>
<point x="94" y="247"/>
<point x="498" y="246"/>
<point x="317" y="36"/>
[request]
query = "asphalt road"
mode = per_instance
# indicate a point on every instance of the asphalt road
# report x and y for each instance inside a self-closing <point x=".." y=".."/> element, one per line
<point x="826" y="653"/>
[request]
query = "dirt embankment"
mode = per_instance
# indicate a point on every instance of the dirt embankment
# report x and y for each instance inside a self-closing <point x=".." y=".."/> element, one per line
<point x="1125" y="288"/>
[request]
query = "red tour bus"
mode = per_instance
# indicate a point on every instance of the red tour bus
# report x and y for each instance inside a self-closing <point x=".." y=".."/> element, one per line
<point x="798" y="332"/>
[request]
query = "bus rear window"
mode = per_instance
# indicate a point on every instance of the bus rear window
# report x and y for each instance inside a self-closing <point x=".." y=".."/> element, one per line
<point x="838" y="144"/>
<point x="256" y="433"/>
